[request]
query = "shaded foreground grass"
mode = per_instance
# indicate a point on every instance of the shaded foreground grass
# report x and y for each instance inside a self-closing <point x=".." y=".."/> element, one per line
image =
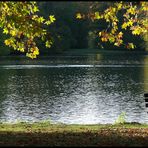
<point x="46" y="134"/>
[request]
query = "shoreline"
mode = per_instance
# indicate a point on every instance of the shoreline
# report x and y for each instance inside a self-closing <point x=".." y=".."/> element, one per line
<point x="81" y="52"/>
<point x="47" y="134"/>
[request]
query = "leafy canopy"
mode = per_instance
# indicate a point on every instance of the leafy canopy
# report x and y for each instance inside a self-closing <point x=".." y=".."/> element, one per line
<point x="22" y="24"/>
<point x="135" y="19"/>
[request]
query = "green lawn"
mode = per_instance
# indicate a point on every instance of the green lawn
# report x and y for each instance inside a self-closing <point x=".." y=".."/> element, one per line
<point x="46" y="134"/>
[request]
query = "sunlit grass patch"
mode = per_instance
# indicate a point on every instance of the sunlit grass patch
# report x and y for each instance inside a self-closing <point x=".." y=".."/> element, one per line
<point x="48" y="134"/>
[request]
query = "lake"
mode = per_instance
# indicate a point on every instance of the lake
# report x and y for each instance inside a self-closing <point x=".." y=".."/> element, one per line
<point x="87" y="89"/>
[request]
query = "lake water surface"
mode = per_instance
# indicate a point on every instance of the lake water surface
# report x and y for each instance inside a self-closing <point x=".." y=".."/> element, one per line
<point x="74" y="89"/>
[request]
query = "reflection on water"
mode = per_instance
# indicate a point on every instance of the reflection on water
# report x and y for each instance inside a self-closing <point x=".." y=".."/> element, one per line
<point x="90" y="90"/>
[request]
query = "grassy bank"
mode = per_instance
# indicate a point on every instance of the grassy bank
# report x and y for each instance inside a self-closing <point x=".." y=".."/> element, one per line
<point x="45" y="134"/>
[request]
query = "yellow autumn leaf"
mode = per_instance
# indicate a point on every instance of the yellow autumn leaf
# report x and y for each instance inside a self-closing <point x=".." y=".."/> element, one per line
<point x="145" y="8"/>
<point x="34" y="17"/>
<point x="78" y="16"/>
<point x="116" y="44"/>
<point x="131" y="10"/>
<point x="129" y="23"/>
<point x="7" y="42"/>
<point x="36" y="51"/>
<point x="124" y="26"/>
<point x="114" y="9"/>
<point x="119" y="6"/>
<point x="30" y="55"/>
<point x="136" y="31"/>
<point x="9" y="26"/>
<point x="114" y="23"/>
<point x="113" y="31"/>
<point x="21" y="49"/>
<point x="131" y="45"/>
<point x="13" y="32"/>
<point x="120" y="34"/>
<point x="104" y="39"/>
<point x="100" y="33"/>
<point x="97" y="15"/>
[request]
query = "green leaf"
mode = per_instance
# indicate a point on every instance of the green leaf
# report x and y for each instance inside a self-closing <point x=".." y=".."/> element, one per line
<point x="48" y="44"/>
<point x="52" y="18"/>
<point x="41" y="19"/>
<point x="5" y="30"/>
<point x="47" y="22"/>
<point x="35" y="9"/>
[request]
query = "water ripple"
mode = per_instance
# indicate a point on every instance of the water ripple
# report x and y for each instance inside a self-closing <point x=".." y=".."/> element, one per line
<point x="66" y="66"/>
